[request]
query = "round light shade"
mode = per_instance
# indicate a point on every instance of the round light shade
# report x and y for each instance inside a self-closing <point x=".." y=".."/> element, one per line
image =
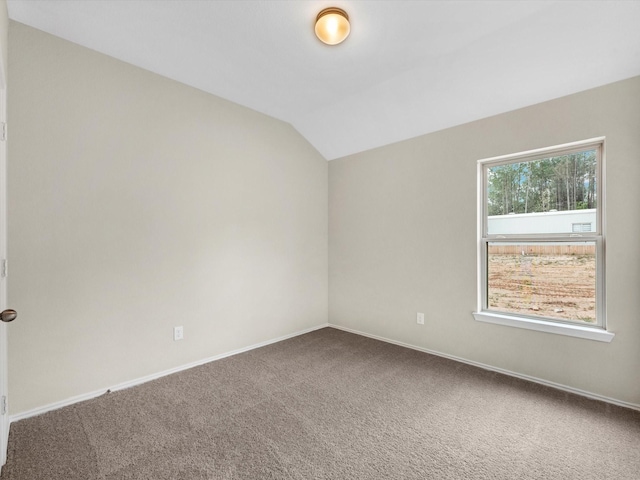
<point x="332" y="26"/>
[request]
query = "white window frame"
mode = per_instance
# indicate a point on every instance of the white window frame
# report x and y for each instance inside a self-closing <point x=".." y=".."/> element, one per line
<point x="592" y="332"/>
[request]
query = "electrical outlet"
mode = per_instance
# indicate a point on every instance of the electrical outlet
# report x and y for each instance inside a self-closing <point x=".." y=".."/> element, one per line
<point x="420" y="318"/>
<point x="178" y="333"/>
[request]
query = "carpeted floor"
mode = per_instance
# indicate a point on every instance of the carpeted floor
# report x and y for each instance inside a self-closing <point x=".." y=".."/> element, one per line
<point x="330" y="405"/>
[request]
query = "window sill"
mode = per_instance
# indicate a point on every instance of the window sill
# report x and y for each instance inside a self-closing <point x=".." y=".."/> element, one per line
<point x="590" y="333"/>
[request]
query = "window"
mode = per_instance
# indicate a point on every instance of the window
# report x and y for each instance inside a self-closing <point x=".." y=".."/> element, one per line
<point x="581" y="227"/>
<point x="541" y="240"/>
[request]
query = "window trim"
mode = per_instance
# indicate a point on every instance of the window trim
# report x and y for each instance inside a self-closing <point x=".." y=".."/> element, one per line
<point x="483" y="314"/>
<point x="530" y="323"/>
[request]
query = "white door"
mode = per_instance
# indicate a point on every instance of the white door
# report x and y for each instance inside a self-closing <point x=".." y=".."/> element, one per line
<point x="4" y="415"/>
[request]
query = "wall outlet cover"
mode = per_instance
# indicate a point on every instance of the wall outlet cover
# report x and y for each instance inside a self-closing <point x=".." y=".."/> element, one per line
<point x="178" y="333"/>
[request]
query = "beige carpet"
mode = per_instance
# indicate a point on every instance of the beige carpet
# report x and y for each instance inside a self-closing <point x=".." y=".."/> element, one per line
<point x="330" y="405"/>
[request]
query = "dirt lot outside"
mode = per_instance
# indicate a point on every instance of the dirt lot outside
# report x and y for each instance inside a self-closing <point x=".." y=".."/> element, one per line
<point x="555" y="285"/>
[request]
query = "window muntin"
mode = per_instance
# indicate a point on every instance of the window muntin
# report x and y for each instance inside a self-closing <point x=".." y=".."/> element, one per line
<point x="541" y="247"/>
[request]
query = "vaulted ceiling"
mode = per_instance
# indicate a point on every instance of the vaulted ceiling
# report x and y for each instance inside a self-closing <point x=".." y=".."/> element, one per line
<point x="408" y="67"/>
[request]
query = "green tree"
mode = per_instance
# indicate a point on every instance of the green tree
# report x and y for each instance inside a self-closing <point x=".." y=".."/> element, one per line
<point x="566" y="182"/>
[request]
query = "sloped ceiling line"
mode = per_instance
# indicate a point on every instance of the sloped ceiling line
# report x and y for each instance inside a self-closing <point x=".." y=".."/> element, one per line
<point x="408" y="68"/>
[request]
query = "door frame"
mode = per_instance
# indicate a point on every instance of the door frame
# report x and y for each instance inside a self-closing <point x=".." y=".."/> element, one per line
<point x="4" y="359"/>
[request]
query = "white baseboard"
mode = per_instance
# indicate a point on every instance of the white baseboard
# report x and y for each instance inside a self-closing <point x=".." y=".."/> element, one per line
<point x="577" y="391"/>
<point x="121" y="386"/>
<point x="131" y="383"/>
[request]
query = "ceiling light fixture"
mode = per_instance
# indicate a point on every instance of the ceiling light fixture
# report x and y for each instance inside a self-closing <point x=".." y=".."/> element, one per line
<point x="332" y="26"/>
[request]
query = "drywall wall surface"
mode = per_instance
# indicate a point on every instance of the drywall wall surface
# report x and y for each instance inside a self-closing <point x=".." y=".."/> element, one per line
<point x="402" y="239"/>
<point x="138" y="204"/>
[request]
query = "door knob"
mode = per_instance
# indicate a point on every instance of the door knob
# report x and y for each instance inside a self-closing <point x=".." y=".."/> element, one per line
<point x="8" y="315"/>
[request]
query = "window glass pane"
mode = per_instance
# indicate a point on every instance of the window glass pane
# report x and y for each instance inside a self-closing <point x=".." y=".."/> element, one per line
<point x="553" y="280"/>
<point x="547" y="195"/>
<point x="581" y="227"/>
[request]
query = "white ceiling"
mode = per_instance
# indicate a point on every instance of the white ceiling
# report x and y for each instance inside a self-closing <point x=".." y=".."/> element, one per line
<point x="408" y="67"/>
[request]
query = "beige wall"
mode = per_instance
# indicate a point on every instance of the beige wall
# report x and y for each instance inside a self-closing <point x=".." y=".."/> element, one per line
<point x="402" y="239"/>
<point x="137" y="204"/>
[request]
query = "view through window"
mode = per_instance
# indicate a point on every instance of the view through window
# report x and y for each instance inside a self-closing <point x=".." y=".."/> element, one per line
<point x="542" y="236"/>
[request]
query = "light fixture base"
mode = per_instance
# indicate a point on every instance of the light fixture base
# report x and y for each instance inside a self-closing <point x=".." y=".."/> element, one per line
<point x="332" y="25"/>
